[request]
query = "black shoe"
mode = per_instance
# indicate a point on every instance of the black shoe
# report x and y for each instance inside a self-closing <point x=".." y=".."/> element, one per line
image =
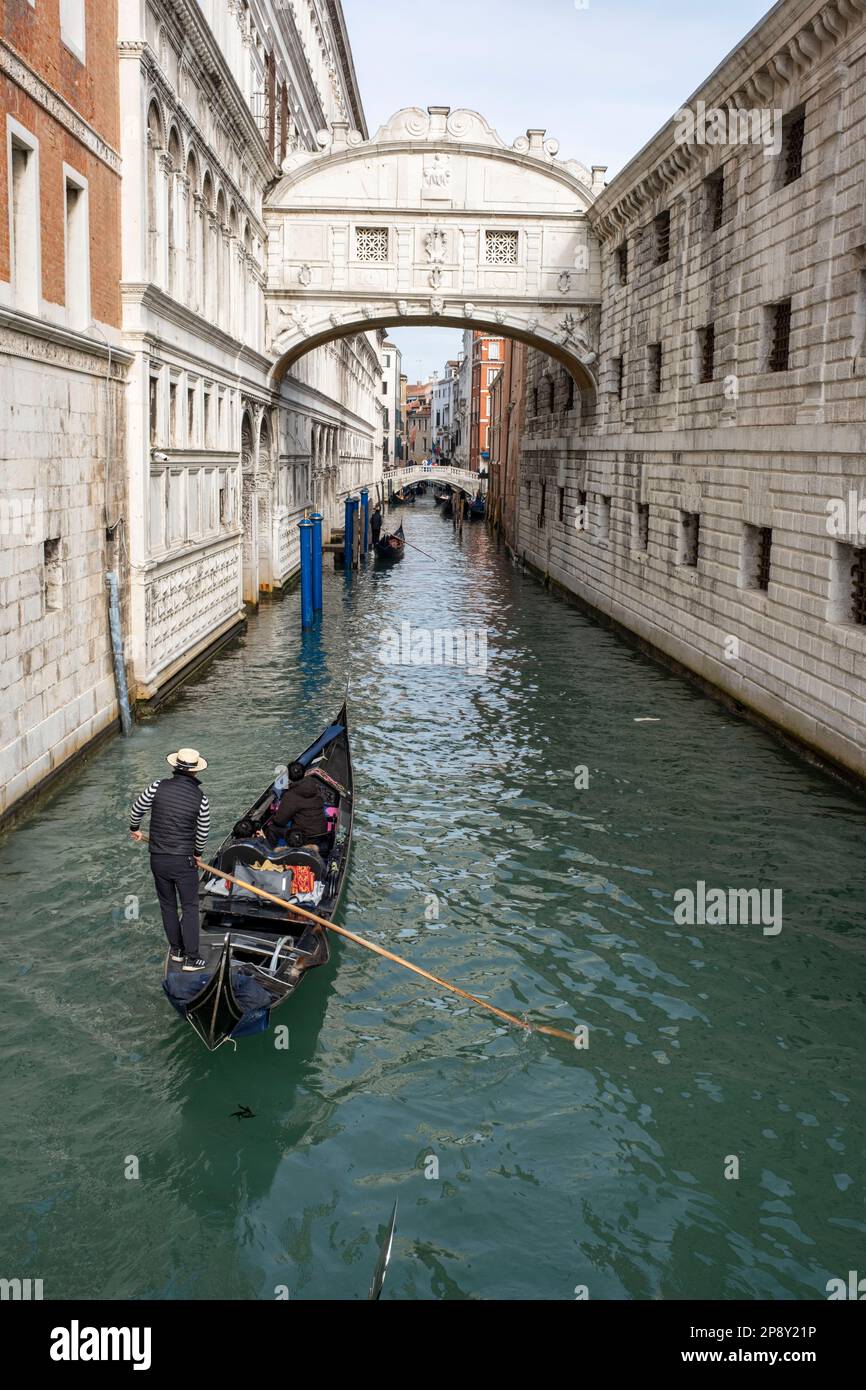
<point x="176" y="954"/>
<point x="194" y="963"/>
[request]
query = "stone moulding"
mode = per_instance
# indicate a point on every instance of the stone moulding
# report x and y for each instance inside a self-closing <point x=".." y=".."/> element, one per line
<point x="789" y="59"/>
<point x="14" y="67"/>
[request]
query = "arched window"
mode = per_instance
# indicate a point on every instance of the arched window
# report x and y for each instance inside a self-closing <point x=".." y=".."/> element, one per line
<point x="154" y="149"/>
<point x="208" y="290"/>
<point x="175" y="233"/>
<point x="221" y="259"/>
<point x="192" y="235"/>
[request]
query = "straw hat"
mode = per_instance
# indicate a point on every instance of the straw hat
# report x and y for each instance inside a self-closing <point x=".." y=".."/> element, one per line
<point x="187" y="759"/>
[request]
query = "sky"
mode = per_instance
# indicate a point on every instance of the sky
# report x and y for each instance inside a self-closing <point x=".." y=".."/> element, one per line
<point x="601" y="76"/>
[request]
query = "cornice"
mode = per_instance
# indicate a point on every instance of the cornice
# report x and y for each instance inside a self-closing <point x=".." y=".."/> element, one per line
<point x="13" y="66"/>
<point x="24" y="335"/>
<point x="795" y="37"/>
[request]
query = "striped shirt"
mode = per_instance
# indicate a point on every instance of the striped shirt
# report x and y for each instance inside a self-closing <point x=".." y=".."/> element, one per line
<point x="144" y="801"/>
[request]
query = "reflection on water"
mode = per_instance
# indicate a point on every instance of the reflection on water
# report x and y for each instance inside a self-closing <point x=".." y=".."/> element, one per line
<point x="477" y="856"/>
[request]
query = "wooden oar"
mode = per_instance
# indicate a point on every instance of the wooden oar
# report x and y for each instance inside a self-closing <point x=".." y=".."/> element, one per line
<point x="388" y="955"/>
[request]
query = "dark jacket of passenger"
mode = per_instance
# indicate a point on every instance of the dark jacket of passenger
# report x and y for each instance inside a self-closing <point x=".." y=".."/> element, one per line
<point x="302" y="805"/>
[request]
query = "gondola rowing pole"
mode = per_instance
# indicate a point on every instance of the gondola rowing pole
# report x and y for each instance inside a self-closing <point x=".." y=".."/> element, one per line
<point x="388" y="955"/>
<point x="418" y="548"/>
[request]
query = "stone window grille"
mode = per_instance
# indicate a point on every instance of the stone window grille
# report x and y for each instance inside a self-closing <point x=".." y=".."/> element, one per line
<point x="52" y="563"/>
<point x="569" y="387"/>
<point x="619" y="376"/>
<point x="500" y="248"/>
<point x="780" y="336"/>
<point x="543" y="504"/>
<point x="715" y="201"/>
<point x="758" y="557"/>
<point x="654" y="368"/>
<point x="622" y="263"/>
<point x="707" y="353"/>
<point x="551" y="396"/>
<point x="371" y="244"/>
<point x="641" y="518"/>
<point x="793" y="136"/>
<point x="561" y="510"/>
<point x="690" y="538"/>
<point x="662" y="237"/>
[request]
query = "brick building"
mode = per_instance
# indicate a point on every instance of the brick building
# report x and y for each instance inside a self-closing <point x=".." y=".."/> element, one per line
<point x="485" y="354"/>
<point x="62" y="374"/>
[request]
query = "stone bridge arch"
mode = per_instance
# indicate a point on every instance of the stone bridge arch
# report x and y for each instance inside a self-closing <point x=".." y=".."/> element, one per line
<point x="435" y="220"/>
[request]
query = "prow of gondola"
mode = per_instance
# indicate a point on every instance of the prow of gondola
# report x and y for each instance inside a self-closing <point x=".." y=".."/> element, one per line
<point x="216" y="1012"/>
<point x="384" y="1259"/>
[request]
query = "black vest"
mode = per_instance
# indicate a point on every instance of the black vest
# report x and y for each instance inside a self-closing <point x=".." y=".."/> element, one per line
<point x="174" y="814"/>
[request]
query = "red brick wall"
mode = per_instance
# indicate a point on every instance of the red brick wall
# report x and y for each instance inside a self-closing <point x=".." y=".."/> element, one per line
<point x="92" y="91"/>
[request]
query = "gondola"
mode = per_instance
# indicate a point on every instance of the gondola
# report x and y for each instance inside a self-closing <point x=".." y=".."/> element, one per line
<point x="391" y="547"/>
<point x="440" y="493"/>
<point x="256" y="953"/>
<point x="477" y="508"/>
<point x="403" y="497"/>
<point x="448" y="505"/>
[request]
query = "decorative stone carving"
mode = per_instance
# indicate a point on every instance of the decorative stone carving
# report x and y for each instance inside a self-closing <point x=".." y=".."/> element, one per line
<point x="402" y="307"/>
<point x="469" y="310"/>
<point x="565" y="282"/>
<point x="574" y="329"/>
<point x="435" y="278"/>
<point x="436" y="176"/>
<point x="305" y="275"/>
<point x="435" y="244"/>
<point x="437" y="306"/>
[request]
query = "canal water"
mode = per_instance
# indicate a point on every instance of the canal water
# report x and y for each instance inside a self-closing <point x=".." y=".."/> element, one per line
<point x="525" y="1168"/>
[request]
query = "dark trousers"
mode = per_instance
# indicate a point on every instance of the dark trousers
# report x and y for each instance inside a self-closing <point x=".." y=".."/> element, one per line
<point x="176" y="876"/>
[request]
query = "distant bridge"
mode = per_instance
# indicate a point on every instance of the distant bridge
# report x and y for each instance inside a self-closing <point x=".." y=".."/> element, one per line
<point x="460" y="478"/>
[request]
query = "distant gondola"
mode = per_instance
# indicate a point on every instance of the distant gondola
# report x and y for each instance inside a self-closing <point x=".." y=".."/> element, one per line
<point x="477" y="508"/>
<point x="403" y="496"/>
<point x="391" y="547"/>
<point x="448" y="505"/>
<point x="257" y="954"/>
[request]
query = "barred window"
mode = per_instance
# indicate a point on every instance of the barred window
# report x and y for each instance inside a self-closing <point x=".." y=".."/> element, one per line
<point x="780" y="336"/>
<point x="619" y="376"/>
<point x="662" y="232"/>
<point x="690" y="534"/>
<point x="654" y="368"/>
<point x="707" y="353"/>
<point x="793" y="134"/>
<point x="500" y="248"/>
<point x="641" y="526"/>
<point x="622" y="263"/>
<point x="371" y="243"/>
<point x="758" y="557"/>
<point x="715" y="204"/>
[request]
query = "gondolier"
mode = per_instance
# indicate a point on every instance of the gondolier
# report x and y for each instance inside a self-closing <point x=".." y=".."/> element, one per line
<point x="179" y="825"/>
<point x="376" y="523"/>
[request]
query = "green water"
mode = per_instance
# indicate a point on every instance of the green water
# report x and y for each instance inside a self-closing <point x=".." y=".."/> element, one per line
<point x="556" y="1168"/>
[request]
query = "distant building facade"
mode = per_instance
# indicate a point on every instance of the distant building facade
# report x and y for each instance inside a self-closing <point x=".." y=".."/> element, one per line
<point x="392" y="424"/>
<point x="484" y="352"/>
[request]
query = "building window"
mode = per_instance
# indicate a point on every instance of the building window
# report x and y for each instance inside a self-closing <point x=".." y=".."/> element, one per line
<point x="154" y="409"/>
<point x="662" y="238"/>
<point x="569" y="388"/>
<point x="190" y="415"/>
<point x="622" y="263"/>
<point x="561" y="509"/>
<point x="24" y="223"/>
<point x="551" y="396"/>
<point x="72" y="26"/>
<point x="779" y="336"/>
<point x="603" y="527"/>
<point x="654" y="369"/>
<point x="793" y="134"/>
<point x="714" y="206"/>
<point x="619" y="376"/>
<point x="52" y="571"/>
<point x="543" y="505"/>
<point x="641" y="526"/>
<point x="690" y="537"/>
<point x="707" y="353"/>
<point x="371" y="244"/>
<point x="529" y="495"/>
<point x="173" y="414"/>
<point x="77" y="251"/>
<point x="535" y="400"/>
<point x="500" y="248"/>
<point x="757" y="552"/>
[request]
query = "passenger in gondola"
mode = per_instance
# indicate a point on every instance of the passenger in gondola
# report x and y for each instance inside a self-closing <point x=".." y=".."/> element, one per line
<point x="376" y="523"/>
<point x="179" y="825"/>
<point x="300" y="815"/>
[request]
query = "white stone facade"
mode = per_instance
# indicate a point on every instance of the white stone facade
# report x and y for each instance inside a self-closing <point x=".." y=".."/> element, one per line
<point x="695" y="505"/>
<point x="224" y="458"/>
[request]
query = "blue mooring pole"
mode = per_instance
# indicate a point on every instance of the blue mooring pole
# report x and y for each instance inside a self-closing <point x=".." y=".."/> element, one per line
<point x="348" y="535"/>
<point x="316" y="519"/>
<point x="306" y="529"/>
<point x="365" y="520"/>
